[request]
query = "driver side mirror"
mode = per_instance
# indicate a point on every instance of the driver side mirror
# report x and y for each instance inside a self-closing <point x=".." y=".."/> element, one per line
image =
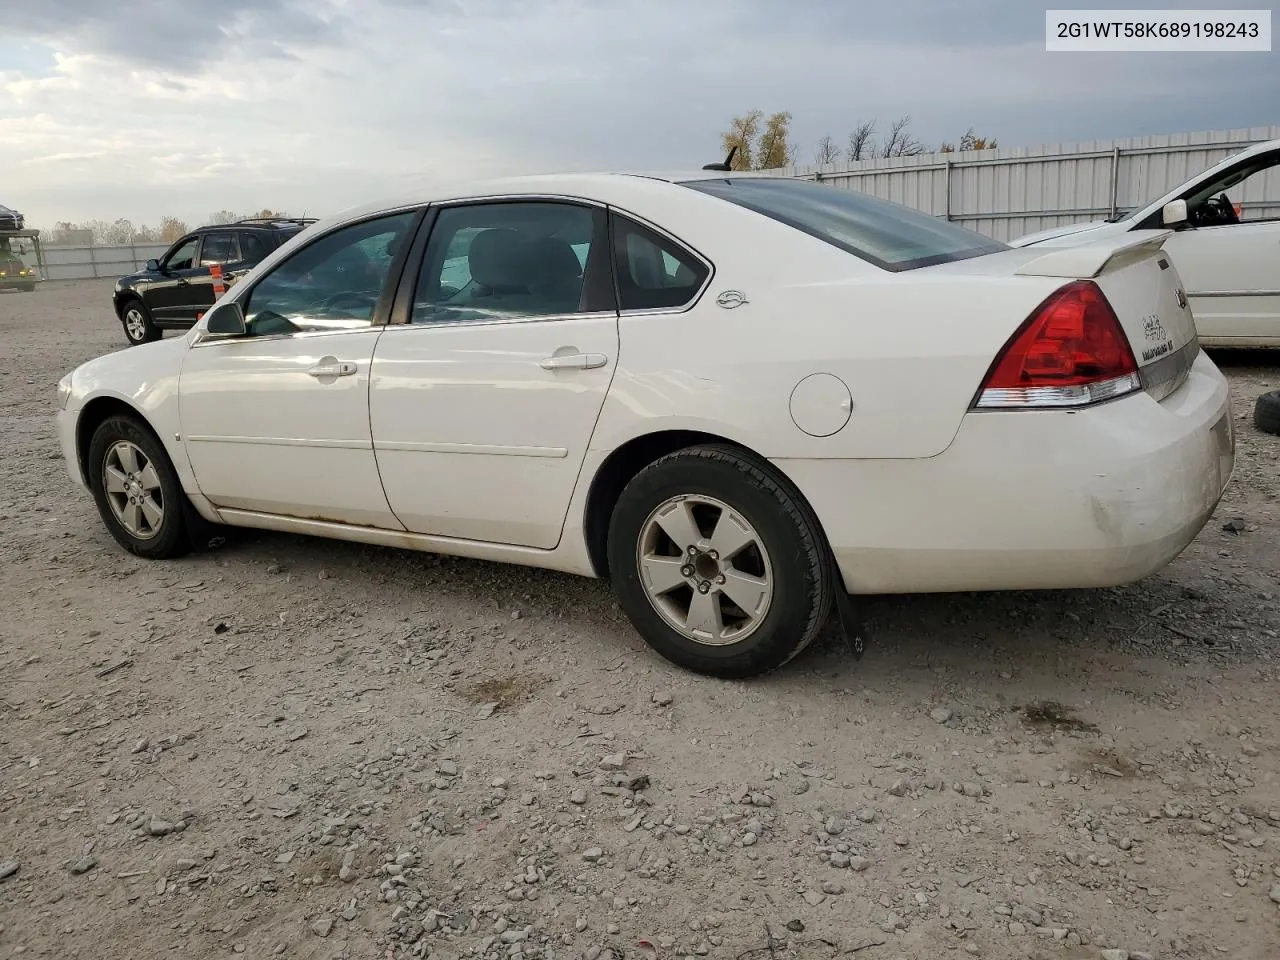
<point x="153" y="265"/>
<point x="226" y="320"/>
<point x="1174" y="213"/>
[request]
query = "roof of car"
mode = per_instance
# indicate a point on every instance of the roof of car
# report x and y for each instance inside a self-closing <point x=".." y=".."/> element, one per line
<point x="605" y="186"/>
<point x="259" y="223"/>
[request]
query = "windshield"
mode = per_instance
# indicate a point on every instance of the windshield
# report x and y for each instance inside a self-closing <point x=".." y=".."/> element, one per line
<point x="889" y="235"/>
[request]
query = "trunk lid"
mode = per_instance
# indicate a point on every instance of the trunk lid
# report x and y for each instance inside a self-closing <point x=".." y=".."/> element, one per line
<point x="1142" y="284"/>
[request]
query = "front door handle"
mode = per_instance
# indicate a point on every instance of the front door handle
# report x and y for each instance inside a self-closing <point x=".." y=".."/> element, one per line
<point x="329" y="367"/>
<point x="574" y="361"/>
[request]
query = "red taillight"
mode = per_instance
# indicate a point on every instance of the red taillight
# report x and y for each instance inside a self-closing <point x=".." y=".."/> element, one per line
<point x="1070" y="352"/>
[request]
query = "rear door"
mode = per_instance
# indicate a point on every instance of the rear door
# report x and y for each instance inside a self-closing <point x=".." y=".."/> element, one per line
<point x="486" y="388"/>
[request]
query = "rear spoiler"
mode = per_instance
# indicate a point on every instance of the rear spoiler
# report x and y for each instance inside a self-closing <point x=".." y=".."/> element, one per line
<point x="1091" y="259"/>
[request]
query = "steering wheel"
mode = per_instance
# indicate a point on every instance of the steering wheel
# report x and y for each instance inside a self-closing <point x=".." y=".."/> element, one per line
<point x="352" y="298"/>
<point x="1220" y="210"/>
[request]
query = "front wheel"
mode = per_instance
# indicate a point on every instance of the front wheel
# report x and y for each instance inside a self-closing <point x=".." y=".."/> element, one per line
<point x="718" y="563"/>
<point x="138" y="325"/>
<point x="137" y="490"/>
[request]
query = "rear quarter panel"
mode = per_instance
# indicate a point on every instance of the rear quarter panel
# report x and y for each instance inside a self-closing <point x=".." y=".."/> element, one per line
<point x="912" y="347"/>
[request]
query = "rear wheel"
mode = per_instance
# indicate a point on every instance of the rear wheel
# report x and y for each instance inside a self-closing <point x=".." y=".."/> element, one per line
<point x="137" y="490"/>
<point x="138" y="326"/>
<point x="718" y="563"/>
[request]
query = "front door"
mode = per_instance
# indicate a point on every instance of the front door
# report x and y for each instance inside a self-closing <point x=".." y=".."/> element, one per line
<point x="220" y="249"/>
<point x="168" y="294"/>
<point x="277" y="421"/>
<point x="1231" y="274"/>
<point x="483" y="401"/>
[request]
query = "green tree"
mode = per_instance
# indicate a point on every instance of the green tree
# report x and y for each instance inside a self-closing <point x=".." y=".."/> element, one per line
<point x="761" y="144"/>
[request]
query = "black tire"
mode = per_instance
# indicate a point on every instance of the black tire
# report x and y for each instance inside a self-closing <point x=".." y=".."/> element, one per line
<point x="170" y="537"/>
<point x="803" y="576"/>
<point x="1266" y="412"/>
<point x="28" y="288"/>
<point x="145" y="329"/>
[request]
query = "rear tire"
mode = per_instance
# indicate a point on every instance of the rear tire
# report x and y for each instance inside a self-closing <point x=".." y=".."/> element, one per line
<point x="137" y="490"/>
<point x="1266" y="412"/>
<point x="751" y="588"/>
<point x="137" y="322"/>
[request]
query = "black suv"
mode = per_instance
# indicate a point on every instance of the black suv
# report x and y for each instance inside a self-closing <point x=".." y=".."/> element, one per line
<point x="171" y="293"/>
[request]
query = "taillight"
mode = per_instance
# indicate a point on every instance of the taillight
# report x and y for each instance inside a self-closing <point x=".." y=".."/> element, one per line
<point x="1070" y="352"/>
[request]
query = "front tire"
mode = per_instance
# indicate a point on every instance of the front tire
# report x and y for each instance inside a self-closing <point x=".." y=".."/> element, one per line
<point x="137" y="322"/>
<point x="720" y="565"/>
<point x="137" y="490"/>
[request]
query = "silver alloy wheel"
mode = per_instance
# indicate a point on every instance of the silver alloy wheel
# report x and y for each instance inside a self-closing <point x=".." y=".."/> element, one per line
<point x="135" y="323"/>
<point x="705" y="570"/>
<point x="132" y="486"/>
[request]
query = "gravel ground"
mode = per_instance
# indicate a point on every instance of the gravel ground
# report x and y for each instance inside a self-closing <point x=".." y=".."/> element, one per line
<point x="300" y="748"/>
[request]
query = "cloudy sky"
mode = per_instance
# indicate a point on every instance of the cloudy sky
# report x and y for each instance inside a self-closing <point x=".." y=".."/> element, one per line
<point x="146" y="108"/>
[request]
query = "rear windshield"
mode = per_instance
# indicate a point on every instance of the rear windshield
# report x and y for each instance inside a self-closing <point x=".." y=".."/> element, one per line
<point x="889" y="235"/>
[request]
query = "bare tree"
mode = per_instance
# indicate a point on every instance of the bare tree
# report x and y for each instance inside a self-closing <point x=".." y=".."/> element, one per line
<point x="827" y="152"/>
<point x="970" y="141"/>
<point x="861" y="146"/>
<point x="900" y="142"/>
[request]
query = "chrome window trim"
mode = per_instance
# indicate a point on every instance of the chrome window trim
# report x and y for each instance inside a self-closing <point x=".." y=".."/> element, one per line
<point x="1235" y="293"/>
<point x="503" y="321"/>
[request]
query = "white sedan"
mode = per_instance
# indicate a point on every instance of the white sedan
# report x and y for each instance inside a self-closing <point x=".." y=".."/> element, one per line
<point x="1226" y="245"/>
<point x="740" y="398"/>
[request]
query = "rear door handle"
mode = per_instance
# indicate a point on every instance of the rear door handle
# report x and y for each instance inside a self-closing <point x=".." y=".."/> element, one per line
<point x="574" y="361"/>
<point x="329" y="367"/>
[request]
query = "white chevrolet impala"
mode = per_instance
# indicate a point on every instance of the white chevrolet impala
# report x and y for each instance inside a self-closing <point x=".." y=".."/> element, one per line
<point x="739" y="398"/>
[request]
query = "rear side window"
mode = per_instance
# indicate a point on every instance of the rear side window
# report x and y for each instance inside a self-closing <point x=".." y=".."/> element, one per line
<point x="252" y="248"/>
<point x="889" y="235"/>
<point x="653" y="273"/>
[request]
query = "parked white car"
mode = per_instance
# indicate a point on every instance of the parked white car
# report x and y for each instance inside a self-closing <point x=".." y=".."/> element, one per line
<point x="739" y="398"/>
<point x="1228" y="254"/>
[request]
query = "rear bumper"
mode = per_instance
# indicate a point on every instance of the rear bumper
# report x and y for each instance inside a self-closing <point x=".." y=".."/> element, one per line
<point x="1035" y="499"/>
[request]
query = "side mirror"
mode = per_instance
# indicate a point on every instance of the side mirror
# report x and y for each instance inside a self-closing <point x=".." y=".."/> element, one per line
<point x="153" y="265"/>
<point x="224" y="321"/>
<point x="1174" y="213"/>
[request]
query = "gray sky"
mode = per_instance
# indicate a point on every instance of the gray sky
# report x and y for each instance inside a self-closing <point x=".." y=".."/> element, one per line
<point x="142" y="108"/>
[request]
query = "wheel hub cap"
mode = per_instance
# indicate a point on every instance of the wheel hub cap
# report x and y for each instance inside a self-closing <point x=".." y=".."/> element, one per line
<point x="705" y="570"/>
<point x="132" y="488"/>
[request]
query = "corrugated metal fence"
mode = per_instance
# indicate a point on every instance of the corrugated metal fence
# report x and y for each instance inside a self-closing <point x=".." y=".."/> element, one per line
<point x="86" y="262"/>
<point x="1005" y="193"/>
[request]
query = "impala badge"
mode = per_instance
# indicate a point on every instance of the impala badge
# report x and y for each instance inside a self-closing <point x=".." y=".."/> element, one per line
<point x="1182" y="297"/>
<point x="730" y="299"/>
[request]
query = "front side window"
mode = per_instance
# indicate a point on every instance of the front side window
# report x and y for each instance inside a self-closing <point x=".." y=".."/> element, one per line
<point x="331" y="284"/>
<point x="518" y="259"/>
<point x="184" y="256"/>
<point x="889" y="235"/>
<point x="219" y="248"/>
<point x="653" y="273"/>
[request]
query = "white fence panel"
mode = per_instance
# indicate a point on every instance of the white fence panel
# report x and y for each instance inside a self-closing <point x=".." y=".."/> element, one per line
<point x="1005" y="193"/>
<point x="87" y="262"/>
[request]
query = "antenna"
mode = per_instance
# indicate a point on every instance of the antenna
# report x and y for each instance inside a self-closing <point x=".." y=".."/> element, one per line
<point x="728" y="161"/>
